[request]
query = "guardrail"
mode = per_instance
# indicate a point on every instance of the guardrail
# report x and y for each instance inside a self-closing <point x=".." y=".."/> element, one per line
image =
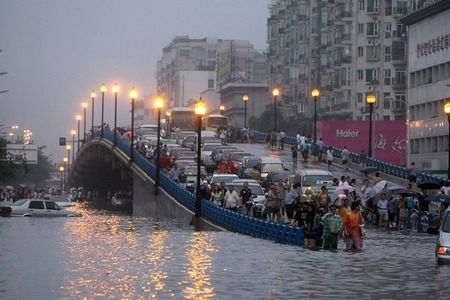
<point x="222" y="217"/>
<point x="391" y="169"/>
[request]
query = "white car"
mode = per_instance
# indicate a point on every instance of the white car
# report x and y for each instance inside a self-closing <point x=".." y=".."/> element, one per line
<point x="226" y="178"/>
<point x="312" y="177"/>
<point x="268" y="164"/>
<point x="39" y="208"/>
<point x="258" y="195"/>
<point x="61" y="201"/>
<point x="443" y="241"/>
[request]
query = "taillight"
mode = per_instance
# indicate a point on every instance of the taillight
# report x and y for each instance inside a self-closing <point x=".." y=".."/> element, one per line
<point x="442" y="250"/>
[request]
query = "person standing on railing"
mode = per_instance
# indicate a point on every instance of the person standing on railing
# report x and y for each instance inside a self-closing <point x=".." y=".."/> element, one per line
<point x="413" y="174"/>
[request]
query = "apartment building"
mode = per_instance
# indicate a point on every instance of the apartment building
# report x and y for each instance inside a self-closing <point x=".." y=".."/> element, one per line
<point x="428" y="84"/>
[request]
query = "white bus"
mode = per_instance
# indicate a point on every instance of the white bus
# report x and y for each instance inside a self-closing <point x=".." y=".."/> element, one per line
<point x="214" y="122"/>
<point x="182" y="118"/>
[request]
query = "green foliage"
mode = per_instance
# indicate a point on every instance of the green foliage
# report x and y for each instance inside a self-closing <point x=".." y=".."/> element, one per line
<point x="6" y="167"/>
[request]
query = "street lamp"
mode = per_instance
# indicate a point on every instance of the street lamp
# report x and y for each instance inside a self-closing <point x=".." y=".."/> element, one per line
<point x="222" y="109"/>
<point x="103" y="90"/>
<point x="61" y="170"/>
<point x="73" y="132"/>
<point x="168" y="121"/>
<point x="78" y="123"/>
<point x="84" y="104"/>
<point x="370" y="99"/>
<point x="93" y="95"/>
<point x="275" y="94"/>
<point x="133" y="96"/>
<point x="315" y="94"/>
<point x="68" y="147"/>
<point x="245" y="99"/>
<point x="447" y="111"/>
<point x="65" y="169"/>
<point x="159" y="103"/>
<point x="115" y="90"/>
<point x="200" y="110"/>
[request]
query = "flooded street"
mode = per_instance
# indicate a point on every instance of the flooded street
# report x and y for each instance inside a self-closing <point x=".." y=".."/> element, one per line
<point x="111" y="255"/>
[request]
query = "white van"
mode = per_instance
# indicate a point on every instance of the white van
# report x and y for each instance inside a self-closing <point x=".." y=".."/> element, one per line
<point x="268" y="164"/>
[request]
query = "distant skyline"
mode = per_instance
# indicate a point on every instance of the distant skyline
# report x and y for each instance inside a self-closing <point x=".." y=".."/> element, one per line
<point x="56" y="52"/>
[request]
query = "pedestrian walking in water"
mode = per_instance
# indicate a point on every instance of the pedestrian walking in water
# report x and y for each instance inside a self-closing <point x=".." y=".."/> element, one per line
<point x="329" y="157"/>
<point x="332" y="228"/>
<point x="353" y="233"/>
<point x="294" y="157"/>
<point x="308" y="228"/>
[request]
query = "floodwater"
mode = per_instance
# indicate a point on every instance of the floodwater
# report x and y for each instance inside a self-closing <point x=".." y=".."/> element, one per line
<point x="111" y="255"/>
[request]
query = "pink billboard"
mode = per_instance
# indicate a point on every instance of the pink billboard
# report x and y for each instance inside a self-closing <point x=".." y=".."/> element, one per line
<point x="389" y="138"/>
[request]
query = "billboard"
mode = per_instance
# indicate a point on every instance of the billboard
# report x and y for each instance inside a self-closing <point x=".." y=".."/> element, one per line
<point x="389" y="138"/>
<point x="20" y="153"/>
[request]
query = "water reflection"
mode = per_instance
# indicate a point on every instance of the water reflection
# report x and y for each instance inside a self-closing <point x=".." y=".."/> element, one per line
<point x="198" y="252"/>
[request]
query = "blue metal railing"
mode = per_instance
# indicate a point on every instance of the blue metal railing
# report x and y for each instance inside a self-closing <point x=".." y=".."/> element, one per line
<point x="394" y="170"/>
<point x="224" y="218"/>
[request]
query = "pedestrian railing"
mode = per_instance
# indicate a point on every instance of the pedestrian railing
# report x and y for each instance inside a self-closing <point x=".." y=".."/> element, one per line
<point x="391" y="169"/>
<point x="219" y="216"/>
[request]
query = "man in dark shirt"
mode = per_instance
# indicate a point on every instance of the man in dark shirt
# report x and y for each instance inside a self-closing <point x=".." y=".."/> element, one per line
<point x="246" y="199"/>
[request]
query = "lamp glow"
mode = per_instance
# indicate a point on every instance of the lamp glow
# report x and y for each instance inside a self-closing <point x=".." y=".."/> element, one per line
<point x="103" y="88"/>
<point x="68" y="147"/>
<point x="275" y="92"/>
<point x="115" y="88"/>
<point x="447" y="108"/>
<point x="93" y="94"/>
<point x="78" y="118"/>
<point x="315" y="93"/>
<point x="222" y="107"/>
<point x="159" y="102"/>
<point x="200" y="108"/>
<point x="371" y="98"/>
<point x="133" y="93"/>
<point x="245" y="98"/>
<point x="84" y="104"/>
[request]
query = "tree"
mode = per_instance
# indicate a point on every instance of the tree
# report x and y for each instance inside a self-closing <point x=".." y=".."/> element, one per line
<point x="7" y="168"/>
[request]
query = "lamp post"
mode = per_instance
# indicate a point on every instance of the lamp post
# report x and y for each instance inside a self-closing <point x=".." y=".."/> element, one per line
<point x="84" y="121"/>
<point x="315" y="94"/>
<point x="245" y="99"/>
<point x="200" y="110"/>
<point x="68" y="147"/>
<point x="115" y="90"/>
<point x="275" y="94"/>
<point x="222" y="109"/>
<point x="370" y="99"/>
<point x="78" y="132"/>
<point x="103" y="90"/>
<point x="447" y="111"/>
<point x="168" y="117"/>
<point x="133" y="96"/>
<point x="73" y="132"/>
<point x="61" y="171"/>
<point x="65" y="170"/>
<point x="93" y="95"/>
<point x="159" y="103"/>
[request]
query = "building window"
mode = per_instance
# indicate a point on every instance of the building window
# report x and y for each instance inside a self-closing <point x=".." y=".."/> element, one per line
<point x="372" y="53"/>
<point x="387" y="30"/>
<point x="360" y="98"/>
<point x="211" y="53"/>
<point x="400" y="77"/>
<point x="387" y="100"/>
<point x="372" y="29"/>
<point x="371" y="75"/>
<point x="185" y="52"/>
<point x="360" y="51"/>
<point x="210" y="83"/>
<point x="360" y="75"/>
<point x="400" y="100"/>
<point x="386" y="118"/>
<point x="387" y="77"/>
<point x="360" y="28"/>
<point x="398" y="50"/>
<point x="361" y="4"/>
<point x="372" y="6"/>
<point x="387" y="53"/>
<point x="359" y="118"/>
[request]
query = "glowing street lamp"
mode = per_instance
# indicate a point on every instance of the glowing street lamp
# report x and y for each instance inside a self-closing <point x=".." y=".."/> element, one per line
<point x="68" y="147"/>
<point x="84" y="105"/>
<point x="245" y="99"/>
<point x="371" y="99"/>
<point x="447" y="112"/>
<point x="73" y="132"/>
<point x="200" y="110"/>
<point x="315" y="94"/>
<point x="61" y="171"/>
<point x="65" y="169"/>
<point x="159" y="103"/>
<point x="103" y="91"/>
<point x="93" y="95"/>
<point x="275" y="94"/>
<point x="115" y="90"/>
<point x="222" y="109"/>
<point x="133" y="96"/>
<point x="78" y="123"/>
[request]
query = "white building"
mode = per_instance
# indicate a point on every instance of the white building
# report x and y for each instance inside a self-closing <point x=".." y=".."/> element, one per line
<point x="429" y="85"/>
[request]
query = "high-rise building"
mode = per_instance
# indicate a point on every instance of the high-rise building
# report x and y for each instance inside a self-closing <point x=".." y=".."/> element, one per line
<point x="346" y="49"/>
<point x="428" y="84"/>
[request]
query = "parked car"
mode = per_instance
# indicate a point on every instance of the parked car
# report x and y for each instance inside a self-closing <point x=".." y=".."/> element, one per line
<point x="245" y="168"/>
<point x="122" y="200"/>
<point x="217" y="153"/>
<point x="234" y="159"/>
<point x="259" y="197"/>
<point x="62" y="201"/>
<point x="39" y="208"/>
<point x="191" y="176"/>
<point x="218" y="178"/>
<point x="268" y="164"/>
<point x="188" y="141"/>
<point x="443" y="241"/>
<point x="313" y="177"/>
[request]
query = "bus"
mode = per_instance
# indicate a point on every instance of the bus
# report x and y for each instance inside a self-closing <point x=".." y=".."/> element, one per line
<point x="214" y="122"/>
<point x="182" y="118"/>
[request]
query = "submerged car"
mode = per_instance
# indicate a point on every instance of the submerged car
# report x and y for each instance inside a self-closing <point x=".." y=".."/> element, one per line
<point x="62" y="201"/>
<point x="443" y="241"/>
<point x="121" y="200"/>
<point x="39" y="208"/>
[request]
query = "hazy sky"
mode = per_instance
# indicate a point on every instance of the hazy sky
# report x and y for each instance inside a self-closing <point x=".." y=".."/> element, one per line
<point x="57" y="51"/>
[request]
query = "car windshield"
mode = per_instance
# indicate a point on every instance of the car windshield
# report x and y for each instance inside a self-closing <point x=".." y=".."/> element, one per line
<point x="256" y="189"/>
<point x="19" y="202"/>
<point x="210" y="147"/>
<point x="218" y="179"/>
<point x="192" y="170"/>
<point x="272" y="168"/>
<point x="190" y="138"/>
<point x="252" y="163"/>
<point x="240" y="156"/>
<point x="446" y="224"/>
<point x="309" y="180"/>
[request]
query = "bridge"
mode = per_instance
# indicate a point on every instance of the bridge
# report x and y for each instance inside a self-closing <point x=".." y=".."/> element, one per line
<point x="99" y="165"/>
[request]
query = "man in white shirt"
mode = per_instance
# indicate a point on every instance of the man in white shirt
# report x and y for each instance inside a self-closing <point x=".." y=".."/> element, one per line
<point x="383" y="211"/>
<point x="231" y="199"/>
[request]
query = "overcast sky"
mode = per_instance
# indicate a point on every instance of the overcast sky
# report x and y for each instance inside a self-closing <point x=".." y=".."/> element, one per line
<point x="57" y="51"/>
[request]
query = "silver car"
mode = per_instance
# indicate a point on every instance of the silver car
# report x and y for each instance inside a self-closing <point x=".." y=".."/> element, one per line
<point x="39" y="208"/>
<point x="443" y="241"/>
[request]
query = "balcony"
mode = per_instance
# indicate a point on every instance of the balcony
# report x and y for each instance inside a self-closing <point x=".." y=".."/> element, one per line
<point x="399" y="84"/>
<point x="398" y="60"/>
<point x="399" y="11"/>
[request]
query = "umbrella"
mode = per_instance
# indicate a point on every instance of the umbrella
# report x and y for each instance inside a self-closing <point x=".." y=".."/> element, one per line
<point x="368" y="170"/>
<point x="406" y="193"/>
<point x="439" y="198"/>
<point x="8" y="187"/>
<point x="341" y="189"/>
<point x="379" y="186"/>
<point x="428" y="185"/>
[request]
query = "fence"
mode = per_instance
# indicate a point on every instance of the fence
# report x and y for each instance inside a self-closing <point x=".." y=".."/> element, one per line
<point x="227" y="219"/>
